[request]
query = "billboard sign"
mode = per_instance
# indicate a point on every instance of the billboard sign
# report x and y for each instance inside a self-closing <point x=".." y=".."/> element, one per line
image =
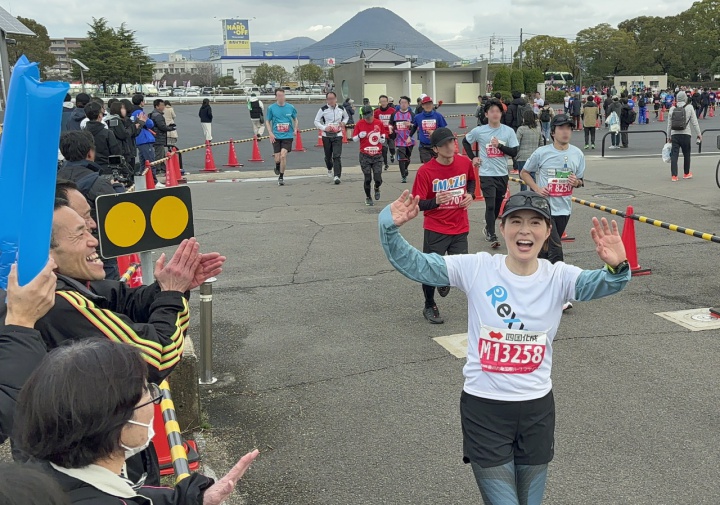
<point x="236" y="37"/>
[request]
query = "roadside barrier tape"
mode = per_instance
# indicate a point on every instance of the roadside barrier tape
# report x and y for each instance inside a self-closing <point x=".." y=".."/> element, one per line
<point x="172" y="430"/>
<point x="710" y="237"/>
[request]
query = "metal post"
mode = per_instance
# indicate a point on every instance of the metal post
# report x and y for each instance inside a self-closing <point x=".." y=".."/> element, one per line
<point x="82" y="79"/>
<point x="206" y="346"/>
<point x="146" y="262"/>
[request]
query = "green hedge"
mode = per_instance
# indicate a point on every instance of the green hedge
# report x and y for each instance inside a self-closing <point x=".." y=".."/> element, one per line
<point x="555" y="97"/>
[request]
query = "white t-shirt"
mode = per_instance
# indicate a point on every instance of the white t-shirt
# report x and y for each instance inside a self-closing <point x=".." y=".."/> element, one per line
<point x="512" y="321"/>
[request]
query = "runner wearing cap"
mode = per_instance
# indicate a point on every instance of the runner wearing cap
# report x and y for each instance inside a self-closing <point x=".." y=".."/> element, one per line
<point x="446" y="187"/>
<point x="425" y="123"/>
<point x="496" y="142"/>
<point x="385" y="113"/>
<point x="558" y="169"/>
<point x="331" y="120"/>
<point x="515" y="301"/>
<point x="372" y="135"/>
<point x="401" y="123"/>
<point x="281" y="121"/>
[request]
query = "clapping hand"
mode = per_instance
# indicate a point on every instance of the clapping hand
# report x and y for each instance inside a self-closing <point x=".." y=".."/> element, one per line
<point x="405" y="208"/>
<point x="27" y="304"/>
<point x="218" y="492"/>
<point x="608" y="243"/>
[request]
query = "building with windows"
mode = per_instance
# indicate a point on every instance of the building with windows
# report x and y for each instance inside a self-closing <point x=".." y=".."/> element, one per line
<point x="62" y="49"/>
<point x="176" y="64"/>
<point x="242" y="68"/>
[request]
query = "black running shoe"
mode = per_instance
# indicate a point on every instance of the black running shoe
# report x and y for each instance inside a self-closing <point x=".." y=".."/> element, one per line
<point x="392" y="158"/>
<point x="404" y="180"/>
<point x="432" y="314"/>
<point x="494" y="242"/>
<point x="443" y="291"/>
<point x="377" y="194"/>
<point x="369" y="202"/>
<point x="277" y="170"/>
<point x="488" y="237"/>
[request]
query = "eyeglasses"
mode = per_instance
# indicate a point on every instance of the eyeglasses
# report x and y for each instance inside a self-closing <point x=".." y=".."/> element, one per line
<point x="155" y="395"/>
<point x="536" y="202"/>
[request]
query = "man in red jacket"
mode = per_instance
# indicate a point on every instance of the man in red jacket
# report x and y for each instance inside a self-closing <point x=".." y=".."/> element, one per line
<point x="372" y="135"/>
<point x="385" y="113"/>
<point x="446" y="187"/>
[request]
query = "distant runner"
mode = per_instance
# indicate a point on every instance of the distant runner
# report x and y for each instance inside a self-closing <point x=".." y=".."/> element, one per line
<point x="281" y="122"/>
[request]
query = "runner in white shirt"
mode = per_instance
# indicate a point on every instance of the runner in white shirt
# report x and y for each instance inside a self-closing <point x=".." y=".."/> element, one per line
<point x="515" y="305"/>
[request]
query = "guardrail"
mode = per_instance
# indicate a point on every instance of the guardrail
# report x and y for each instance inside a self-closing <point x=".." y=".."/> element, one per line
<point x="602" y="152"/>
<point x="702" y="133"/>
<point x="710" y="237"/>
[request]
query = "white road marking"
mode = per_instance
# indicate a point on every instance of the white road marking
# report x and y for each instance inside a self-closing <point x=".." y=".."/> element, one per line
<point x="693" y="319"/>
<point x="454" y="344"/>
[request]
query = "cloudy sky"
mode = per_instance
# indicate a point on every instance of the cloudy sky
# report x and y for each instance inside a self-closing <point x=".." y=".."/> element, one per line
<point x="461" y="27"/>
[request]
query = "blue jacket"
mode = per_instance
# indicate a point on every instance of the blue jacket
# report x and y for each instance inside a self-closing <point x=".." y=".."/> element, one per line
<point x="420" y="124"/>
<point x="145" y="136"/>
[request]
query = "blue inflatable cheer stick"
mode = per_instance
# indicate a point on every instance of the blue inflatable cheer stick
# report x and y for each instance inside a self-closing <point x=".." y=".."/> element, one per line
<point x="28" y="170"/>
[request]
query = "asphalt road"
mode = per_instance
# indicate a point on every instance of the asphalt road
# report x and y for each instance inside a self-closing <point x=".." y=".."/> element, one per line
<point x="328" y="367"/>
<point x="233" y="121"/>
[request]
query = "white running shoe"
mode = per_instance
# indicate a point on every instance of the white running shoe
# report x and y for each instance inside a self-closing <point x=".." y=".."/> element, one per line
<point x="159" y="185"/>
<point x="567" y="306"/>
<point x="330" y="173"/>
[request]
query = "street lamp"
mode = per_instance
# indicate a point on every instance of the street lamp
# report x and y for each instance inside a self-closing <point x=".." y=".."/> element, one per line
<point x="83" y="67"/>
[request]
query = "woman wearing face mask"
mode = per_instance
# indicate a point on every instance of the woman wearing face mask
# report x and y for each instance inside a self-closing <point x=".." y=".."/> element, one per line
<point x="87" y="408"/>
<point x="515" y="303"/>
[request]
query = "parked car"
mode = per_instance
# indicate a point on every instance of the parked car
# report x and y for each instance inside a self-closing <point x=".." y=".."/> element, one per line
<point x="316" y="90"/>
<point x="178" y="92"/>
<point x="164" y="91"/>
<point x="207" y="90"/>
<point x="192" y="92"/>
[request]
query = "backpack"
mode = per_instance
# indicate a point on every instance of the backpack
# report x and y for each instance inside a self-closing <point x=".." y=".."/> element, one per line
<point x="545" y="115"/>
<point x="678" y="118"/>
<point x="641" y="102"/>
<point x="632" y="116"/>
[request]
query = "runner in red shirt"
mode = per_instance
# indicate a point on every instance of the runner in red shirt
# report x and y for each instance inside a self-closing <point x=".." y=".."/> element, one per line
<point x="372" y="135"/>
<point x="446" y="187"/>
<point x="385" y="113"/>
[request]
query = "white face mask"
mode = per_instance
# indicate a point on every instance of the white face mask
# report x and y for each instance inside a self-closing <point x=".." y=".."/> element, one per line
<point x="132" y="451"/>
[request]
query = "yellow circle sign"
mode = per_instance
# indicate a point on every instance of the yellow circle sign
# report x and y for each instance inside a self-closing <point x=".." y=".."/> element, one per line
<point x="169" y="217"/>
<point x="125" y="224"/>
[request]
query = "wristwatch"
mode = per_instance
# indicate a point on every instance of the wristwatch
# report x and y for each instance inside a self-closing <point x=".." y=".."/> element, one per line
<point x="619" y="269"/>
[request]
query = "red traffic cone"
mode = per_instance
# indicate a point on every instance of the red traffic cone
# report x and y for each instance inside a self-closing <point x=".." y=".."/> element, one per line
<point x="457" y="149"/>
<point x="463" y="124"/>
<point x="209" y="160"/>
<point x="478" y="190"/>
<point x="232" y="157"/>
<point x="507" y="196"/>
<point x="132" y="271"/>
<point x="170" y="174"/>
<point x="565" y="238"/>
<point x="628" y="239"/>
<point x="711" y="113"/>
<point x="344" y="135"/>
<point x="319" y="142"/>
<point x="256" y="156"/>
<point x="662" y="114"/>
<point x="298" y="142"/>
<point x="176" y="166"/>
<point x="149" y="181"/>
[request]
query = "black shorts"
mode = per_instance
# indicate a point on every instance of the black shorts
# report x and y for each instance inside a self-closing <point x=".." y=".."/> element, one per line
<point x="280" y="144"/>
<point x="496" y="432"/>
<point x="404" y="152"/>
<point x="439" y="243"/>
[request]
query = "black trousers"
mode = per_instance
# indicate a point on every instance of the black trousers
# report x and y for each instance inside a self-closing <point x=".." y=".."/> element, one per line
<point x="493" y="191"/>
<point x="680" y="141"/>
<point x="426" y="153"/>
<point x="439" y="243"/>
<point x="624" y="136"/>
<point x="333" y="154"/>
<point x="589" y="132"/>
<point x="372" y="168"/>
<point x="389" y="145"/>
<point x="554" y="252"/>
<point x="404" y="153"/>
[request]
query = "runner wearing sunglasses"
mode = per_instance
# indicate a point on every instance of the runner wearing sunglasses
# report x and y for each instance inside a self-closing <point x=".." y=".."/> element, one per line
<point x="515" y="305"/>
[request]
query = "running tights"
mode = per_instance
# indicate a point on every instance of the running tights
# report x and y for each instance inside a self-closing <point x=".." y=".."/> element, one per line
<point x="511" y="484"/>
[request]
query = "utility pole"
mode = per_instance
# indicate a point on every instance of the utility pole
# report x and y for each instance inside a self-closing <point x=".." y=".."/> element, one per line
<point x="492" y="40"/>
<point x="520" y="49"/>
<point x="502" y="50"/>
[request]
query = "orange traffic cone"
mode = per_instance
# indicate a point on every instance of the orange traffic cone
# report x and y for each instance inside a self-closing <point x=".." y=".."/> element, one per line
<point x="344" y="135"/>
<point x="319" y="142"/>
<point x="711" y="112"/>
<point x="162" y="447"/>
<point x="457" y="149"/>
<point x="463" y="124"/>
<point x="662" y="114"/>
<point x="628" y="239"/>
<point x="170" y="173"/>
<point x="565" y="238"/>
<point x="176" y="165"/>
<point x="256" y="156"/>
<point x="149" y="181"/>
<point x="209" y="160"/>
<point x="298" y="142"/>
<point x="502" y="206"/>
<point x="478" y="190"/>
<point x="131" y="273"/>
<point x="232" y="157"/>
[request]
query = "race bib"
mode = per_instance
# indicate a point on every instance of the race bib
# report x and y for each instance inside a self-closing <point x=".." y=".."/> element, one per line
<point x="511" y="351"/>
<point x="372" y="150"/>
<point x="429" y="126"/>
<point x="494" y="152"/>
<point x="385" y="118"/>
<point x="558" y="183"/>
<point x="402" y="125"/>
<point x="454" y="202"/>
<point x="282" y="127"/>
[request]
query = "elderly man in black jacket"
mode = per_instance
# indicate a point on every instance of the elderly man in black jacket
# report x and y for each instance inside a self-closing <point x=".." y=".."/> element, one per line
<point x="160" y="130"/>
